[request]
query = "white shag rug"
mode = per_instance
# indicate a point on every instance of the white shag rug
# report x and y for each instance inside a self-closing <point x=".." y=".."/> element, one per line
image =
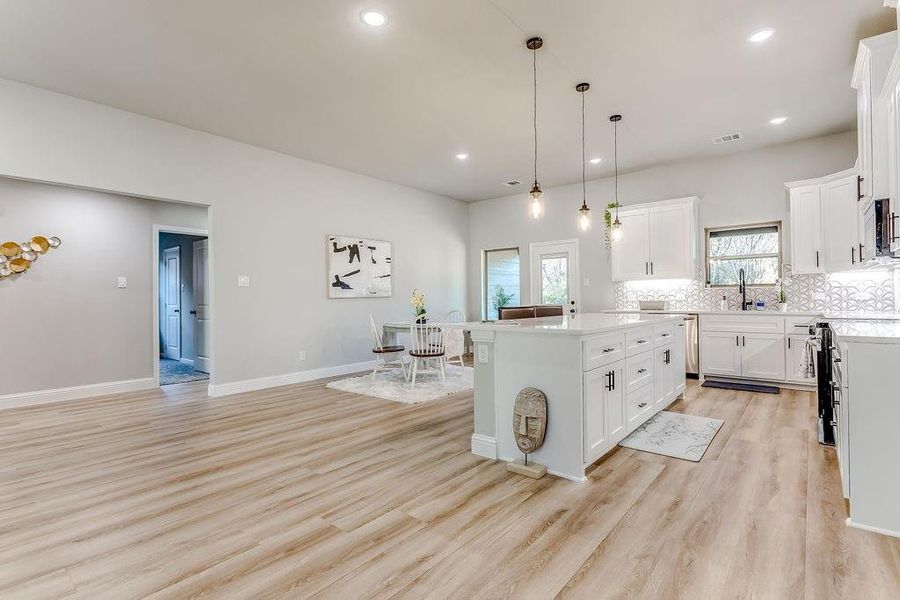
<point x="389" y="385"/>
<point x="674" y="434"/>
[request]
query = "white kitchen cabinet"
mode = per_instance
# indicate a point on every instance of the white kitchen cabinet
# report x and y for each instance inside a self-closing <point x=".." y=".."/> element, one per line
<point x="604" y="409"/>
<point x="671" y="242"/>
<point x="870" y="77"/>
<point x="638" y="407"/>
<point x="631" y="254"/>
<point x="678" y="359"/>
<point x="840" y="225"/>
<point x="806" y="230"/>
<point x="720" y="353"/>
<point x="659" y="241"/>
<point x="825" y="224"/>
<point x="796" y="347"/>
<point x="762" y="356"/>
<point x="664" y="384"/>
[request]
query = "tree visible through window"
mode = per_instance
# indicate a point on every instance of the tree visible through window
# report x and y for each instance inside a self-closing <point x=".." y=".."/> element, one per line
<point x="555" y="279"/>
<point x="755" y="249"/>
<point x="501" y="280"/>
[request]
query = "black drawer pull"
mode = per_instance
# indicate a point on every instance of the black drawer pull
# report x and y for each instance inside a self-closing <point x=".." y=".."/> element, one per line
<point x="642" y="405"/>
<point x="641" y="371"/>
<point x="642" y="341"/>
<point x="608" y="350"/>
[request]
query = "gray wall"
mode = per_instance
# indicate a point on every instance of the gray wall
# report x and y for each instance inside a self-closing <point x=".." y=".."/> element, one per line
<point x="738" y="188"/>
<point x="185" y="243"/>
<point x="269" y="217"/>
<point x="65" y="318"/>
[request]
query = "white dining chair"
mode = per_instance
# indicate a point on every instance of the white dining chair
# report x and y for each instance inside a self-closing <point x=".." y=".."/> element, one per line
<point x="386" y="357"/>
<point x="427" y="350"/>
<point x="455" y="339"/>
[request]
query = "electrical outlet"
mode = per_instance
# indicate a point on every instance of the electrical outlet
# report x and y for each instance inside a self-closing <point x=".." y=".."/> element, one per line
<point x="122" y="282"/>
<point x="303" y="355"/>
<point x="243" y="281"/>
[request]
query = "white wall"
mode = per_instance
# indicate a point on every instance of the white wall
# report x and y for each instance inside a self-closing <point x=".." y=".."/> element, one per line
<point x="269" y="217"/>
<point x="65" y="318"/>
<point x="739" y="188"/>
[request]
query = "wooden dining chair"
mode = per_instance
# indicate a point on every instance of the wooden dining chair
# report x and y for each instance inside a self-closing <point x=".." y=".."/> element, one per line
<point x="386" y="357"/>
<point x="455" y="339"/>
<point x="427" y="347"/>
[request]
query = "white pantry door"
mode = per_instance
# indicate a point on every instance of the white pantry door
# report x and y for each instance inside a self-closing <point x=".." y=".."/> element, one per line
<point x="554" y="273"/>
<point x="172" y="300"/>
<point x="201" y="306"/>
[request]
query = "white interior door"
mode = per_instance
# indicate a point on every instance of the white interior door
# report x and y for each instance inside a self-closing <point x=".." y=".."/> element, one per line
<point x="554" y="273"/>
<point x="202" y="325"/>
<point x="171" y="329"/>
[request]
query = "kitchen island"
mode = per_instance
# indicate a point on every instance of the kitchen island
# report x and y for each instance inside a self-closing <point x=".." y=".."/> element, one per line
<point x="603" y="375"/>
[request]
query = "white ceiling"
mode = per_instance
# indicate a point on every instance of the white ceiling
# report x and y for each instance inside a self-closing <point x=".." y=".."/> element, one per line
<point x="307" y="78"/>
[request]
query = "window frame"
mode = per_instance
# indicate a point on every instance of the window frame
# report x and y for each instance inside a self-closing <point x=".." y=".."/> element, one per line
<point x="484" y="275"/>
<point x="779" y="254"/>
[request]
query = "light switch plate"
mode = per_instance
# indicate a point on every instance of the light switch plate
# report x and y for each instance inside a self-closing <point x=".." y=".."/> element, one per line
<point x="243" y="281"/>
<point x="122" y="282"/>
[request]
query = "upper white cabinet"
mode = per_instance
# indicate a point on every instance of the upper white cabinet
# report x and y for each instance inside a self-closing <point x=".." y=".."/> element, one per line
<point x="806" y="229"/>
<point x="659" y="241"/>
<point x="826" y="224"/>
<point x="870" y="74"/>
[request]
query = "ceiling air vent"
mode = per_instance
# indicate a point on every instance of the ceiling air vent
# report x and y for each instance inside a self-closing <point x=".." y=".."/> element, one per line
<point x="732" y="137"/>
<point x="513" y="183"/>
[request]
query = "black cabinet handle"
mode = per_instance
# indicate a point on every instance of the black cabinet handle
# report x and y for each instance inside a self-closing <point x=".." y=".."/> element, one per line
<point x="745" y="340"/>
<point x="789" y="343"/>
<point x="640" y="371"/>
<point x="894" y="237"/>
<point x="176" y="310"/>
<point x="737" y="340"/>
<point x="608" y="385"/>
<point x="613" y="380"/>
<point x="642" y="405"/>
<point x="861" y="246"/>
<point x="608" y="350"/>
<point x="852" y="256"/>
<point x="193" y="312"/>
<point x="817" y="259"/>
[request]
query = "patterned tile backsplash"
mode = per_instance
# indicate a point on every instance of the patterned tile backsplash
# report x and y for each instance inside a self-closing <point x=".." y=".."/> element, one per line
<point x="862" y="291"/>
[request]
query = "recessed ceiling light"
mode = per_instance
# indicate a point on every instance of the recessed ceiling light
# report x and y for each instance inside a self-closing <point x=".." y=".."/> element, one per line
<point x="761" y="35"/>
<point x="373" y="18"/>
<point x="462" y="156"/>
<point x="778" y="120"/>
<point x="596" y="161"/>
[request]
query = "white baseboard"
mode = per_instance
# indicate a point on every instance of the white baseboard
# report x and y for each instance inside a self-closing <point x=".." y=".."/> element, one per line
<point x="484" y="445"/>
<point x="187" y="361"/>
<point x="77" y="392"/>
<point x="261" y="383"/>
<point x="895" y="534"/>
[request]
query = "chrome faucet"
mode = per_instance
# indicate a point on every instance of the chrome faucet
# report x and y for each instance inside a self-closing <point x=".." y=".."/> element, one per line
<point x="742" y="288"/>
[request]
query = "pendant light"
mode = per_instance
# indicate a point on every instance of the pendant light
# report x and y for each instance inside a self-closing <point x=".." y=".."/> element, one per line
<point x="536" y="204"/>
<point x="615" y="230"/>
<point x="584" y="213"/>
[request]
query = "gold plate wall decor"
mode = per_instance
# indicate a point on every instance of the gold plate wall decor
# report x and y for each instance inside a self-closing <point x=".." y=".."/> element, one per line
<point x="19" y="265"/>
<point x="18" y="258"/>
<point x="10" y="249"/>
<point x="40" y="244"/>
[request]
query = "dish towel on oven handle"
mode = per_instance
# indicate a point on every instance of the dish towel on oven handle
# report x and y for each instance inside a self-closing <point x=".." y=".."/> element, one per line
<point x="807" y="368"/>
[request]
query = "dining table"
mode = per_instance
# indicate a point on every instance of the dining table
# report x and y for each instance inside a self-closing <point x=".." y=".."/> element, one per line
<point x="392" y="329"/>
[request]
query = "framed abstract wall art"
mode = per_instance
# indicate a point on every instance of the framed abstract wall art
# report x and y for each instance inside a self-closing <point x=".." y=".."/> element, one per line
<point x="358" y="267"/>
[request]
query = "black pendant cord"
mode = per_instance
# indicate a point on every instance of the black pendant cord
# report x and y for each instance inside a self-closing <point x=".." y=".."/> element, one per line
<point x="534" y="70"/>
<point x="583" y="168"/>
<point x="616" y="162"/>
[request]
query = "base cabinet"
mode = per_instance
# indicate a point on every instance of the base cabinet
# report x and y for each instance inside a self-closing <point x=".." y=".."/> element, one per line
<point x="664" y="373"/>
<point x="721" y="353"/>
<point x="762" y="356"/>
<point x="796" y="348"/>
<point x="604" y="409"/>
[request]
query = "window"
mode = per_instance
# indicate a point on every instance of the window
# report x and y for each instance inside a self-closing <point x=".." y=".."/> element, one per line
<point x="754" y="248"/>
<point x="501" y="281"/>
<point x="555" y="279"/>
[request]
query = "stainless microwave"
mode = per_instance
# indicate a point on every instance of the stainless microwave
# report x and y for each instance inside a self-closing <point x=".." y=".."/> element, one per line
<point x="886" y="233"/>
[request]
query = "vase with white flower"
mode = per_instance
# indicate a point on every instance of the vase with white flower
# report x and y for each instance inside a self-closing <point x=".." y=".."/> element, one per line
<point x="782" y="297"/>
<point x="417" y="299"/>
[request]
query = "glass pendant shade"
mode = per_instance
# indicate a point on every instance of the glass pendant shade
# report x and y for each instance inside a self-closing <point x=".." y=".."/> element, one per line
<point x="584" y="219"/>
<point x="615" y="231"/>
<point x="536" y="203"/>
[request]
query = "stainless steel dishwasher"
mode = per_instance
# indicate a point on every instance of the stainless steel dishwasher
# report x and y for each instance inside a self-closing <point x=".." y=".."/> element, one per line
<point x="691" y="346"/>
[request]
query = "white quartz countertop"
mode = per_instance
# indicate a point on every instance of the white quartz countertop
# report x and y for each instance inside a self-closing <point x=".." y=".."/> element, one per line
<point x="579" y="324"/>
<point x="760" y="313"/>
<point x="830" y="315"/>
<point x="875" y="332"/>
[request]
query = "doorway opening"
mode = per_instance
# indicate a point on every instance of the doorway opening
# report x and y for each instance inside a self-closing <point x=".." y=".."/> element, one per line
<point x="183" y="306"/>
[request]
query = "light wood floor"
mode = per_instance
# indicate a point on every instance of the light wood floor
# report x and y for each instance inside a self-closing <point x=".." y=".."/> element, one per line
<point x="309" y="492"/>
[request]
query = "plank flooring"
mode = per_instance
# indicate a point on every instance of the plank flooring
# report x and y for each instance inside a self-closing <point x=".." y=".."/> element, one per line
<point x="307" y="492"/>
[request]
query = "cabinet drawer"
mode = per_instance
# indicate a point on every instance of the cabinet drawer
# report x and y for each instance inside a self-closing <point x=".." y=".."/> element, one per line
<point x="601" y="350"/>
<point x="638" y="340"/>
<point x="638" y="371"/>
<point x="639" y="406"/>
<point x="663" y="334"/>
<point x="742" y="323"/>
